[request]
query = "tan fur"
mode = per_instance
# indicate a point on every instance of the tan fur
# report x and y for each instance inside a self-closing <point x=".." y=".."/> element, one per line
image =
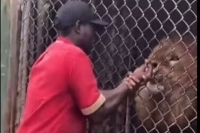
<point x="174" y="102"/>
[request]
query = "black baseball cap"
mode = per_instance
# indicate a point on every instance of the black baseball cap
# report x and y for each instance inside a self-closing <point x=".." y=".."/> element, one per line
<point x="73" y="11"/>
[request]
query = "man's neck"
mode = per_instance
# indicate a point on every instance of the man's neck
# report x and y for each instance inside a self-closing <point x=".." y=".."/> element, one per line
<point x="72" y="39"/>
<point x="75" y="42"/>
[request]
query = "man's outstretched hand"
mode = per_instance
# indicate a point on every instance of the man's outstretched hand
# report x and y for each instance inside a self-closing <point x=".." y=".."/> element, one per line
<point x="140" y="76"/>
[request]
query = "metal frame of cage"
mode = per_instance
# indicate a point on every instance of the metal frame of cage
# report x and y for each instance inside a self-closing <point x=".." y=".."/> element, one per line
<point x="135" y="28"/>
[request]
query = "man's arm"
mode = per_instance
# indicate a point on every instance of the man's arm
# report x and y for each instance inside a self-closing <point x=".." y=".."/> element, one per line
<point x="113" y="98"/>
<point x="92" y="102"/>
<point x="118" y="95"/>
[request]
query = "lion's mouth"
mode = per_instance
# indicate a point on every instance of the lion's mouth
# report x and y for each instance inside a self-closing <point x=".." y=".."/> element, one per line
<point x="155" y="85"/>
<point x="157" y="79"/>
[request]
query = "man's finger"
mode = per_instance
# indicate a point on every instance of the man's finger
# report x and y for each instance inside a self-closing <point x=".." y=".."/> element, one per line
<point x="142" y="67"/>
<point x="134" y="78"/>
<point x="146" y="61"/>
<point x="144" y="77"/>
<point x="131" y="82"/>
<point x="146" y="64"/>
<point x="149" y="70"/>
<point x="129" y="73"/>
<point x="128" y="85"/>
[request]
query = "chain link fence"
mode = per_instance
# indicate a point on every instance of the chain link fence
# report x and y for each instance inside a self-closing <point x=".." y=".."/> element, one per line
<point x="136" y="27"/>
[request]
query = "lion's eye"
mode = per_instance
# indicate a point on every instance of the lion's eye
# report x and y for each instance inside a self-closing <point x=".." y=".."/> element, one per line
<point x="173" y="60"/>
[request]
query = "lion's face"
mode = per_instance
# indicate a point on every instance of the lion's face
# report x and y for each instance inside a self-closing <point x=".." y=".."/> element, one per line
<point x="172" y="63"/>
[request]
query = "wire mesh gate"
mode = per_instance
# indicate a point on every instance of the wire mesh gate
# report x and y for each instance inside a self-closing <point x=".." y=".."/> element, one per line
<point x="136" y="27"/>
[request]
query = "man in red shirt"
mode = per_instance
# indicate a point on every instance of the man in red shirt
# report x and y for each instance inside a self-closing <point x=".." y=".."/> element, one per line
<point x="62" y="90"/>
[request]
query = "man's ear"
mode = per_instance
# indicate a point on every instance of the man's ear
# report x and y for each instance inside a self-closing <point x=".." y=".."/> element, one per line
<point x="77" y="27"/>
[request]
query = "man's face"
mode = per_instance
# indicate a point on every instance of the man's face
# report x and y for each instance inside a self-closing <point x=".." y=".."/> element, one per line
<point x="87" y="37"/>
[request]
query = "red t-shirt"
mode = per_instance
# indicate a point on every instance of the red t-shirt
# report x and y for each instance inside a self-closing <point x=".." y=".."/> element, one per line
<point x="62" y="91"/>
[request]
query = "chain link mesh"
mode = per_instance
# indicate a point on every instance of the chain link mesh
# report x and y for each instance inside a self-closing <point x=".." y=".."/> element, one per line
<point x="136" y="27"/>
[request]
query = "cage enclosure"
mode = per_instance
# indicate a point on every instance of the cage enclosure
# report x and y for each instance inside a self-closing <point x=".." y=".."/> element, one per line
<point x="135" y="28"/>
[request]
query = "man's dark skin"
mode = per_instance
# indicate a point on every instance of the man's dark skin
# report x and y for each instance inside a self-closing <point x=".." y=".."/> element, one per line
<point x="82" y="35"/>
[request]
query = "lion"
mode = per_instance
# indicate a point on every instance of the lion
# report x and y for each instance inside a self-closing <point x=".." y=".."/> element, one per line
<point x="168" y="102"/>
